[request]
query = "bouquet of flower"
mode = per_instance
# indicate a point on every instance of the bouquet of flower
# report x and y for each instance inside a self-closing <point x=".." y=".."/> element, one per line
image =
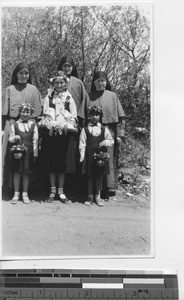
<point x="56" y="127"/>
<point x="70" y="125"/>
<point x="18" y="150"/>
<point x="101" y="158"/>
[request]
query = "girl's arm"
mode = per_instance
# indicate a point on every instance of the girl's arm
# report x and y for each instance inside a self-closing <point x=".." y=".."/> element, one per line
<point x="35" y="141"/>
<point x="82" y="144"/>
<point x="13" y="138"/>
<point x="73" y="108"/>
<point x="45" y="102"/>
<point x="108" y="141"/>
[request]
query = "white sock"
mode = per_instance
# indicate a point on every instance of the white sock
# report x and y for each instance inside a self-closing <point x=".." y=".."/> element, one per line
<point x="53" y="189"/>
<point x="16" y="194"/>
<point x="24" y="194"/>
<point x="60" y="191"/>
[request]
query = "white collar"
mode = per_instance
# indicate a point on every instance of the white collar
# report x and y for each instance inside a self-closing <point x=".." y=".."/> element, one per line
<point x="21" y="121"/>
<point x="98" y="124"/>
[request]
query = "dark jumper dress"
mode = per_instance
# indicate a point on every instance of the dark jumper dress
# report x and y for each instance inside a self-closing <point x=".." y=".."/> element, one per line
<point x="25" y="164"/>
<point x="89" y="166"/>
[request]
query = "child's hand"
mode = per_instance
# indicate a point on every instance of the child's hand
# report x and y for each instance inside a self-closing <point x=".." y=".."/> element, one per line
<point x="17" y="138"/>
<point x="81" y="159"/>
<point x="103" y="144"/>
<point x="118" y="139"/>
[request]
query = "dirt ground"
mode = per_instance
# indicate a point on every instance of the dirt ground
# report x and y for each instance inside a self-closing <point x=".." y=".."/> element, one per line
<point x="120" y="227"/>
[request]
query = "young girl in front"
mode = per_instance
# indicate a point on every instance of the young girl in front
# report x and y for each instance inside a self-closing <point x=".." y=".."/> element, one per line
<point x="58" y="149"/>
<point x="23" y="132"/>
<point x="94" y="138"/>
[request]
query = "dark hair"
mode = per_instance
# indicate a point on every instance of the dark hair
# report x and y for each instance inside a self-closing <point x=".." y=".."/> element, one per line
<point x="68" y="59"/>
<point x="100" y="75"/>
<point x="19" y="67"/>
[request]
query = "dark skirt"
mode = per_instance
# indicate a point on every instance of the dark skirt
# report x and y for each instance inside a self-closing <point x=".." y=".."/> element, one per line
<point x="58" y="152"/>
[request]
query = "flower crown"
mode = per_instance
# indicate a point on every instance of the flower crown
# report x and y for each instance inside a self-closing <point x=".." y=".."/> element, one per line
<point x="95" y="110"/>
<point x="59" y="74"/>
<point x="26" y="107"/>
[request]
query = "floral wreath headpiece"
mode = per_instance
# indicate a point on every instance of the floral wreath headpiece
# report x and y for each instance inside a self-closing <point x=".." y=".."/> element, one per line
<point x="96" y="109"/>
<point x="59" y="74"/>
<point x="26" y="107"/>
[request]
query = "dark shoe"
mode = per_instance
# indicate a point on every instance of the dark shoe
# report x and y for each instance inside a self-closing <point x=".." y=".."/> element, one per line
<point x="112" y="193"/>
<point x="105" y="195"/>
<point x="89" y="201"/>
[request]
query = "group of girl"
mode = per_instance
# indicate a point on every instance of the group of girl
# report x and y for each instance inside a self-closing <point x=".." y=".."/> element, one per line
<point x="95" y="126"/>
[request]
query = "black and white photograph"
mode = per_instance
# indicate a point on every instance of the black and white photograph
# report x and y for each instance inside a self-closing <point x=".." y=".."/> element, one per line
<point x="77" y="100"/>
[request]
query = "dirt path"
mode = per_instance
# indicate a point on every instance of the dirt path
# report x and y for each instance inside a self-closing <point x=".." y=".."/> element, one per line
<point x="121" y="227"/>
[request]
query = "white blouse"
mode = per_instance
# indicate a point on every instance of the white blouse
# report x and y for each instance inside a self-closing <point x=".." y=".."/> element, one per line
<point x="59" y="113"/>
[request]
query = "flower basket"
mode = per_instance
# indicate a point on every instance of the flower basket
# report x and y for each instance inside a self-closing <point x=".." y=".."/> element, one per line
<point x="71" y="127"/>
<point x="101" y="158"/>
<point x="55" y="127"/>
<point x="18" y="151"/>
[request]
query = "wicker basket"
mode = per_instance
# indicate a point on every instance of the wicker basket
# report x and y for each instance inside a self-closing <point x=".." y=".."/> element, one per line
<point x="18" y="151"/>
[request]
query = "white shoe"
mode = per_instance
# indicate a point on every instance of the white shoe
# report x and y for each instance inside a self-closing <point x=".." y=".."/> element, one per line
<point x="63" y="198"/>
<point x="15" y="199"/>
<point x="26" y="199"/>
